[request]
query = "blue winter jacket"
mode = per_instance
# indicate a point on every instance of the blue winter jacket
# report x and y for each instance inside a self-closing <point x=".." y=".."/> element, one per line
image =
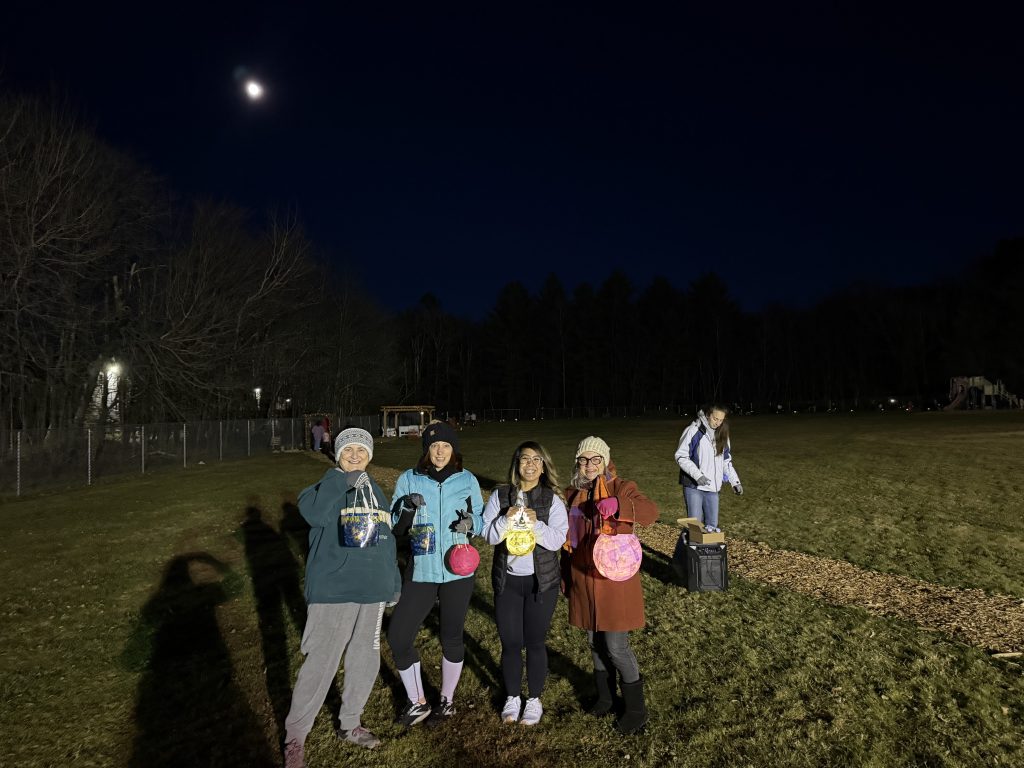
<point x="336" y="573"/>
<point x="459" y="491"/>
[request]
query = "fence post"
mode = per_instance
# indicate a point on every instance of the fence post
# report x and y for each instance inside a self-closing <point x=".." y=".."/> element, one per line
<point x="220" y="440"/>
<point x="88" y="453"/>
<point x="184" y="445"/>
<point x="248" y="437"/>
<point x="143" y="449"/>
<point x="18" y="462"/>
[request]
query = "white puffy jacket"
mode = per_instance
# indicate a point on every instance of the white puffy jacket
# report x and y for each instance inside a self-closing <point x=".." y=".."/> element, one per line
<point x="696" y="456"/>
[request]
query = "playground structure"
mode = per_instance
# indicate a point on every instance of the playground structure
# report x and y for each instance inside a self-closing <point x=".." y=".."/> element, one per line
<point x="979" y="392"/>
<point x="424" y="412"/>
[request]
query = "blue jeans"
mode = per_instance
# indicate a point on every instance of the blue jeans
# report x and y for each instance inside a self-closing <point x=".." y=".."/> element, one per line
<point x="701" y="504"/>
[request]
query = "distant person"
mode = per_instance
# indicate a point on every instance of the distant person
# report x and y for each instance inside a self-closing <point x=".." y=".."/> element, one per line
<point x="606" y="609"/>
<point x="318" y="435"/>
<point x="347" y="588"/>
<point x="526" y="585"/>
<point x="439" y="504"/>
<point x="328" y="451"/>
<point x="704" y="456"/>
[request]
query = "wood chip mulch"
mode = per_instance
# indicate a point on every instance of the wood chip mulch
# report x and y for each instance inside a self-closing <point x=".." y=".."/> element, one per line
<point x="994" y="623"/>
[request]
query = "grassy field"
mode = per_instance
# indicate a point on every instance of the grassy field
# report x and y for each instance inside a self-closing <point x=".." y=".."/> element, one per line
<point x="155" y="621"/>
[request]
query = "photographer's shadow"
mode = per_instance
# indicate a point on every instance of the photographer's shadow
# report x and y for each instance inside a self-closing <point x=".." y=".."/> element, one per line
<point x="188" y="709"/>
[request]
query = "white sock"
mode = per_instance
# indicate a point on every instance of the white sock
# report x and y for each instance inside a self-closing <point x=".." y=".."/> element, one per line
<point x="412" y="681"/>
<point x="450" y="673"/>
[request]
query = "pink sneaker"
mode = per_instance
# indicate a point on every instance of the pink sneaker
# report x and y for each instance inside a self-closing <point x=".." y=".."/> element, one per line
<point x="294" y="755"/>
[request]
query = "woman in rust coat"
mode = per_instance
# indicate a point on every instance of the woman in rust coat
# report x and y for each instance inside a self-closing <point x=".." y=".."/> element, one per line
<point x="606" y="609"/>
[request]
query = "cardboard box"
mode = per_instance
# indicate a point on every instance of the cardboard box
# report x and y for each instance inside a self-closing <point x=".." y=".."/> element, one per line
<point x="685" y="521"/>
<point x="697" y="535"/>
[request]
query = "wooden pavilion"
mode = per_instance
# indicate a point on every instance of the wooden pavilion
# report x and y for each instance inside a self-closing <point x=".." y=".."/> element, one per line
<point x="426" y="414"/>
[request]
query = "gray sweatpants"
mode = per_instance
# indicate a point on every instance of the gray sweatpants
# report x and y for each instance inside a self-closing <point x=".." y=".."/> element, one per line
<point x="333" y="629"/>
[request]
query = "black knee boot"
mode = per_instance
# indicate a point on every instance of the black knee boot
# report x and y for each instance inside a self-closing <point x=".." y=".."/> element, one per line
<point x="635" y="716"/>
<point x="605" y="683"/>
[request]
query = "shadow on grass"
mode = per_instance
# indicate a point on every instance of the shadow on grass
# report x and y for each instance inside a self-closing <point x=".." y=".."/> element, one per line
<point x="275" y="574"/>
<point x="294" y="526"/>
<point x="659" y="567"/>
<point x="188" y="710"/>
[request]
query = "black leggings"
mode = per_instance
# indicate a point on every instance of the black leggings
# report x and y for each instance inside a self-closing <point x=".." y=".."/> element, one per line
<point x="412" y="609"/>
<point x="523" y="619"/>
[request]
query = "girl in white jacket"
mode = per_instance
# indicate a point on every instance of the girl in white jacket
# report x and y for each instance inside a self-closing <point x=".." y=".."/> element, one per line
<point x="704" y="457"/>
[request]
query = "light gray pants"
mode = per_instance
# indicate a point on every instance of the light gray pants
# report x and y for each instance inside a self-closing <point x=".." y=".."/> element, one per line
<point x="333" y="629"/>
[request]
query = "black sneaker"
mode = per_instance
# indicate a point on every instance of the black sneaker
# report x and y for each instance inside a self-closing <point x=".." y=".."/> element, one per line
<point x="414" y="713"/>
<point x="441" y="713"/>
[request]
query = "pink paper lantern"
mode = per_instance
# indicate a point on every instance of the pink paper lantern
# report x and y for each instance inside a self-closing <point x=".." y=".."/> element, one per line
<point x="463" y="559"/>
<point x="617" y="557"/>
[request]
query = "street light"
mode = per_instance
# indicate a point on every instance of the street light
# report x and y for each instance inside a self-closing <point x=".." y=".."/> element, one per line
<point x="113" y="374"/>
<point x="257" y="391"/>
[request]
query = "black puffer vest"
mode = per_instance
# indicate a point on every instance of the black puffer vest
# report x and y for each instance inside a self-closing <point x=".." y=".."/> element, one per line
<point x="546" y="571"/>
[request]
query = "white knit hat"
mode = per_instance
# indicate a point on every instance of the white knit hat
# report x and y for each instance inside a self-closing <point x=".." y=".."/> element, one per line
<point x="353" y="436"/>
<point x="597" y="445"/>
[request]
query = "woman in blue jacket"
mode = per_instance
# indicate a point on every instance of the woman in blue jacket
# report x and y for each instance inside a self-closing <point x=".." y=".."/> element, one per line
<point x="438" y="503"/>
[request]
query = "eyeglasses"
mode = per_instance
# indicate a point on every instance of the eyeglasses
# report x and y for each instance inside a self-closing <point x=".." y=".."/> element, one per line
<point x="535" y="460"/>
<point x="593" y="461"/>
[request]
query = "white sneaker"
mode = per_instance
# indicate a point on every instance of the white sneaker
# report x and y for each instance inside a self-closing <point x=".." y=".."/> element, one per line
<point x="532" y="712"/>
<point x="510" y="712"/>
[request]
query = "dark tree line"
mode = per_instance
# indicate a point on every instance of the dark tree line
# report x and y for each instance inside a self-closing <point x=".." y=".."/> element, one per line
<point x="198" y="303"/>
<point x="613" y="345"/>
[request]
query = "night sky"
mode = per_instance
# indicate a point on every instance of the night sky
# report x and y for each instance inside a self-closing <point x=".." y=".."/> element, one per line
<point x="792" y="148"/>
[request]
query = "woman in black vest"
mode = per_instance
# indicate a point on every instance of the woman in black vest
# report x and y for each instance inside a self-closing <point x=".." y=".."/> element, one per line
<point x="525" y="585"/>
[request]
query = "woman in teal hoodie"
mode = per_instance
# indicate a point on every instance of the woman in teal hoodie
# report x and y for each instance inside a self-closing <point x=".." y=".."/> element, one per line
<point x="347" y="587"/>
<point x="439" y="504"/>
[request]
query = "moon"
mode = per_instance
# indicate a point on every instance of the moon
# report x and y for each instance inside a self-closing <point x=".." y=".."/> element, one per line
<point x="254" y="90"/>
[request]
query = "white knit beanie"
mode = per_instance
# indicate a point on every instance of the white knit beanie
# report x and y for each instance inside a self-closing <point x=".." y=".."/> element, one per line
<point x="597" y="445"/>
<point x="353" y="436"/>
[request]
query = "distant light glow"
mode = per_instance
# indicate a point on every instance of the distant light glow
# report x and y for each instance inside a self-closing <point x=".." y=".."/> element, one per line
<point x="253" y="90"/>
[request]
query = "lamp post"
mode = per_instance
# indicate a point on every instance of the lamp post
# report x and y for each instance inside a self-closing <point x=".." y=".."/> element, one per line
<point x="257" y="392"/>
<point x="111" y="405"/>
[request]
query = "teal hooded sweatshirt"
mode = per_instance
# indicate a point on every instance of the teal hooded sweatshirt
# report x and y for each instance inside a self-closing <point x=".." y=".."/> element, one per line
<point x="336" y="573"/>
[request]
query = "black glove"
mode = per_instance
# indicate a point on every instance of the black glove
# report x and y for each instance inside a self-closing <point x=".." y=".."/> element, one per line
<point x="409" y="503"/>
<point x="738" y="489"/>
<point x="465" y="522"/>
<point x="406" y="507"/>
<point x="357" y="479"/>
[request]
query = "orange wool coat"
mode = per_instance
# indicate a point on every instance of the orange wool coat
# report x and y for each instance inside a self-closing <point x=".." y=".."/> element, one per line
<point x="597" y="603"/>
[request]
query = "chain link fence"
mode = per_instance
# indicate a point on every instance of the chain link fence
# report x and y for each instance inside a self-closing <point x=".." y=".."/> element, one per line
<point x="35" y="460"/>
